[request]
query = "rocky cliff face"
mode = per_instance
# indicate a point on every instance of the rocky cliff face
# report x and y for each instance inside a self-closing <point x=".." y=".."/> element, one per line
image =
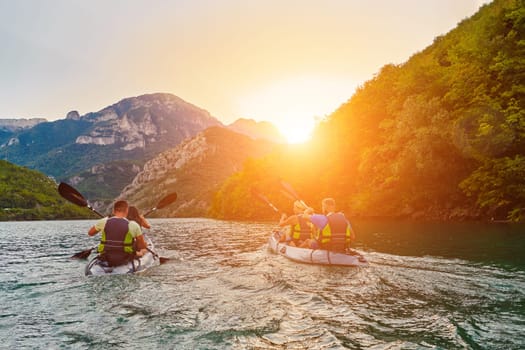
<point x="130" y="131"/>
<point x="145" y="120"/>
<point x="195" y="170"/>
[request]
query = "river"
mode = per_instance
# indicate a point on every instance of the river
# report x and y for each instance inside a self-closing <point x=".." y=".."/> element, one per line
<point x="428" y="286"/>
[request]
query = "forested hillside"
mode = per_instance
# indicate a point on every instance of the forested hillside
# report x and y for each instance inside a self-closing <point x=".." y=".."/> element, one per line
<point x="441" y="136"/>
<point x="29" y="195"/>
<point x="195" y="170"/>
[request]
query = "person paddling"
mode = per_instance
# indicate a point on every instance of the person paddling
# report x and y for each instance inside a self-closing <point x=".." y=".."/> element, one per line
<point x="335" y="231"/>
<point x="133" y="214"/>
<point x="119" y="237"/>
<point x="300" y="228"/>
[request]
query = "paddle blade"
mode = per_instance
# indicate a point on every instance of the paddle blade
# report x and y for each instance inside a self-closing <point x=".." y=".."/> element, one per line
<point x="163" y="260"/>
<point x="72" y="195"/>
<point x="164" y="202"/>
<point x="83" y="254"/>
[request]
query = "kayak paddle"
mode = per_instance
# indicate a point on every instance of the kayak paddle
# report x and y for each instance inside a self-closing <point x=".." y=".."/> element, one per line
<point x="164" y="202"/>
<point x="264" y="199"/>
<point x="290" y="190"/>
<point x="71" y="194"/>
<point x="75" y="197"/>
<point x="83" y="254"/>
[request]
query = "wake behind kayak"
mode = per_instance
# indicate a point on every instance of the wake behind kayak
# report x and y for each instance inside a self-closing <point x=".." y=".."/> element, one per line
<point x="99" y="267"/>
<point x="314" y="256"/>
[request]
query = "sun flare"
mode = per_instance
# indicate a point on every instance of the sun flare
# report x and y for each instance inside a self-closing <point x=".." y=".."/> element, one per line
<point x="299" y="132"/>
<point x="293" y="105"/>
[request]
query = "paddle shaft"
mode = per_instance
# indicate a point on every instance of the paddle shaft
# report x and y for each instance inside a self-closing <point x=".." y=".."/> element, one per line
<point x="290" y="190"/>
<point x="71" y="194"/>
<point x="264" y="199"/>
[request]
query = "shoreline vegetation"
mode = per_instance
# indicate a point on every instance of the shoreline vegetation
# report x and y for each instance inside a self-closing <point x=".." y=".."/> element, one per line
<point x="27" y="194"/>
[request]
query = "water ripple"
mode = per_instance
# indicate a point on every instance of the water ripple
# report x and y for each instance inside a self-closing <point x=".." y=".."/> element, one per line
<point x="223" y="289"/>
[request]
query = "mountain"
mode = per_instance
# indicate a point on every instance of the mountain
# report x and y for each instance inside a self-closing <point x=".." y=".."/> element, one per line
<point x="441" y="136"/>
<point x="130" y="131"/>
<point x="9" y="126"/>
<point x="195" y="170"/>
<point x="257" y="130"/>
<point x="100" y="182"/>
<point x="29" y="195"/>
<point x="149" y="122"/>
<point x="13" y="125"/>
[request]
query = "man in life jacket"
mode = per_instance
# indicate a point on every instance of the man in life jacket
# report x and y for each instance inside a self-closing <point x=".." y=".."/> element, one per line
<point x="300" y="228"/>
<point x="334" y="230"/>
<point x="121" y="240"/>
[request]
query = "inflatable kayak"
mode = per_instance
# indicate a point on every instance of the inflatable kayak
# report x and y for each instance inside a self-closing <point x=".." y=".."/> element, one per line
<point x="97" y="267"/>
<point x="314" y="256"/>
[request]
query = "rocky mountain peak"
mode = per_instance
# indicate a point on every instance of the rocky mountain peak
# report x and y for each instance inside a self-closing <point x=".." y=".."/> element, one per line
<point x="135" y="122"/>
<point x="73" y="115"/>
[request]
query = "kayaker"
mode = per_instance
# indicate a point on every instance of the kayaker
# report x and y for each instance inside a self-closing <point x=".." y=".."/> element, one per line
<point x="133" y="214"/>
<point x="119" y="236"/>
<point x="335" y="232"/>
<point x="300" y="229"/>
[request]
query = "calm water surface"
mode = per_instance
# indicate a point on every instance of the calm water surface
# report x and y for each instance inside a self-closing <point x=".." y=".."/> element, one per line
<point x="428" y="286"/>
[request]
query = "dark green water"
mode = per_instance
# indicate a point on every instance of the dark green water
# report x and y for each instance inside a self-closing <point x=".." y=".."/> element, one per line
<point x="428" y="286"/>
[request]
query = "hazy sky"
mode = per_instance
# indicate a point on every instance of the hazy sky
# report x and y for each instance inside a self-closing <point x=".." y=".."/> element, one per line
<point x="279" y="60"/>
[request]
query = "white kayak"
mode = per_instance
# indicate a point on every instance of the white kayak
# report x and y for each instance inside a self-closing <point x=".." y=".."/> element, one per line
<point x="314" y="256"/>
<point x="97" y="267"/>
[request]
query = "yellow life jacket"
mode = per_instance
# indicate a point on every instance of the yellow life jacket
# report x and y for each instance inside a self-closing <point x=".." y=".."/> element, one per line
<point x="116" y="237"/>
<point x="300" y="231"/>
<point x="337" y="234"/>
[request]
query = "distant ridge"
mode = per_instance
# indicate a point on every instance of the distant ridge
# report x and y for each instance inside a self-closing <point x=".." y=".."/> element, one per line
<point x="13" y="125"/>
<point x="257" y="130"/>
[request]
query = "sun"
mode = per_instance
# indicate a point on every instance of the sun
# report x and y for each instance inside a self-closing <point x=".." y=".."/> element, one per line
<point x="294" y="104"/>
<point x="296" y="130"/>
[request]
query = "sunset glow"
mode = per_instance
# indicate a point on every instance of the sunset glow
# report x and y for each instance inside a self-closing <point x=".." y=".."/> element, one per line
<point x="266" y="60"/>
<point x="295" y="104"/>
<point x="297" y="132"/>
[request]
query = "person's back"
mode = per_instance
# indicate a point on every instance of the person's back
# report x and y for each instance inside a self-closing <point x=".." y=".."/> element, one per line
<point x="118" y="236"/>
<point x="116" y="243"/>
<point x="335" y="231"/>
<point x="300" y="229"/>
<point x="335" y="236"/>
